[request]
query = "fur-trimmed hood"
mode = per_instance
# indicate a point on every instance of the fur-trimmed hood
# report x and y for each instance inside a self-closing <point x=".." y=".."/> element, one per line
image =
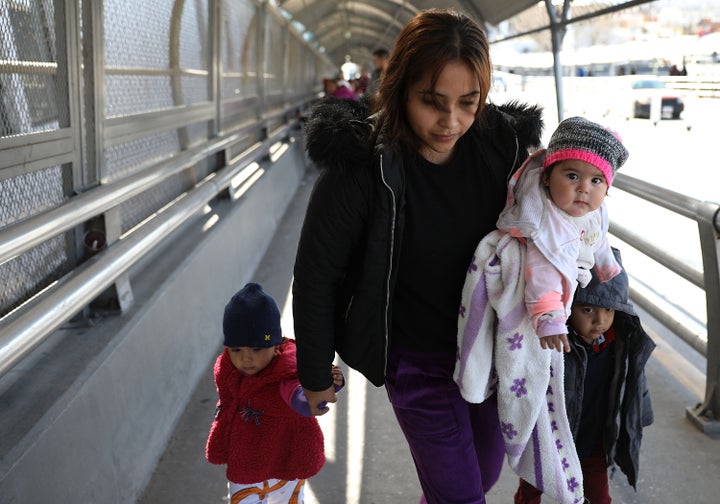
<point x="525" y="119"/>
<point x="338" y="132"/>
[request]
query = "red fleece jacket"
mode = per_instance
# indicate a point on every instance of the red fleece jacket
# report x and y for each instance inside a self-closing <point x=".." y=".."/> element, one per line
<point x="255" y="432"/>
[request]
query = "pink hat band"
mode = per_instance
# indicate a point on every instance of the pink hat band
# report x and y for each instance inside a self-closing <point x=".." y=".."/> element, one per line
<point x="582" y="155"/>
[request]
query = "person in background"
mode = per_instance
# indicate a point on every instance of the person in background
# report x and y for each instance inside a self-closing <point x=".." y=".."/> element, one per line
<point x="329" y="86"/>
<point x="606" y="392"/>
<point x="387" y="240"/>
<point x="263" y="429"/>
<point x="380" y="57"/>
<point x="362" y="82"/>
<point x="344" y="90"/>
<point x="339" y="88"/>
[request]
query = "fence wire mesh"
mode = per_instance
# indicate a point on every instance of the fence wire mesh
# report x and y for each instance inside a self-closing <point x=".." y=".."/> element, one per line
<point x="34" y="93"/>
<point x="95" y="92"/>
<point x="33" y="99"/>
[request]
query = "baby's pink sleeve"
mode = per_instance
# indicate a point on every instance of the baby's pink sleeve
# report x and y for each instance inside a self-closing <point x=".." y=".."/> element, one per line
<point x="544" y="294"/>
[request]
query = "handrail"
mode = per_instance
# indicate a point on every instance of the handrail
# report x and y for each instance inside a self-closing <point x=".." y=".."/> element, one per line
<point x="23" y="235"/>
<point x="25" y="328"/>
<point x="687" y="271"/>
<point x="701" y="86"/>
<point x="678" y="203"/>
<point x="700" y="211"/>
<point x="705" y="415"/>
<point x="696" y="341"/>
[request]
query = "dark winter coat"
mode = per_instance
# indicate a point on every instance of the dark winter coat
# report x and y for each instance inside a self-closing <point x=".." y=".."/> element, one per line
<point x="630" y="406"/>
<point x="345" y="270"/>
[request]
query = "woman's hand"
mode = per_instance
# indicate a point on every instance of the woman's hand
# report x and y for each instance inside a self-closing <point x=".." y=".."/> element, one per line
<point x="558" y="342"/>
<point x="317" y="400"/>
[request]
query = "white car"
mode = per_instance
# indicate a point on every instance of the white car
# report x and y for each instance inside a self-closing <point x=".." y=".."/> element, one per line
<point x="651" y="99"/>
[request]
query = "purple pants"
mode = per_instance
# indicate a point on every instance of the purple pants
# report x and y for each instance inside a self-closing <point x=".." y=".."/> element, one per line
<point x="457" y="446"/>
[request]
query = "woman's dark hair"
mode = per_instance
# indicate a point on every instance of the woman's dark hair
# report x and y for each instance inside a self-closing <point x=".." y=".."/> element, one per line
<point x="429" y="41"/>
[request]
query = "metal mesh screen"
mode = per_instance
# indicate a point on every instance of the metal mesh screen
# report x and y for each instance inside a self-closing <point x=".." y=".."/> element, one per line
<point x="33" y="99"/>
<point x="137" y="37"/>
<point x="32" y="271"/>
<point x="194" y="53"/>
<point x="137" y="209"/>
<point x="131" y="94"/>
<point x="274" y="60"/>
<point x="131" y="157"/>
<point x="194" y="47"/>
<point x="301" y="69"/>
<point x="22" y="197"/>
<point x="238" y="47"/>
<point x="34" y="96"/>
<point x="129" y="59"/>
<point x="141" y="73"/>
<point x="165" y="64"/>
<point x="29" y="194"/>
<point x="156" y="57"/>
<point x="294" y="63"/>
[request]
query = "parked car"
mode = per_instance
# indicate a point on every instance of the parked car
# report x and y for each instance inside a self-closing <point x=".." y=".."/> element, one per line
<point x="647" y="93"/>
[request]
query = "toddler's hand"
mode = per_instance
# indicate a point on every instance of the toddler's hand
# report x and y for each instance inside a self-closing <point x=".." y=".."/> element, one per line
<point x="558" y="342"/>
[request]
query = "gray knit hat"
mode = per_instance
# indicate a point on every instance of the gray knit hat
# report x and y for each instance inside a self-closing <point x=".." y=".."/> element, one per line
<point x="578" y="138"/>
<point x="251" y="319"/>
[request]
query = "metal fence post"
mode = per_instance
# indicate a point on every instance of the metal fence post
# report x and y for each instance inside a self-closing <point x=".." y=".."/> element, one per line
<point x="706" y="415"/>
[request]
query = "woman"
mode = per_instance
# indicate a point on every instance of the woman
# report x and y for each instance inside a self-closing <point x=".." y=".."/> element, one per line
<point x="403" y="198"/>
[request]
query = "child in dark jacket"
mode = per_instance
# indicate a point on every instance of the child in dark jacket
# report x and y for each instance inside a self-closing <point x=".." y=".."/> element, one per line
<point x="606" y="394"/>
<point x="263" y="430"/>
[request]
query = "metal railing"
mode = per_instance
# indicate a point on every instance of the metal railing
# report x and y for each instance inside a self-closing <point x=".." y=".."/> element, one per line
<point x="702" y="86"/>
<point x="26" y="327"/>
<point x="705" y="415"/>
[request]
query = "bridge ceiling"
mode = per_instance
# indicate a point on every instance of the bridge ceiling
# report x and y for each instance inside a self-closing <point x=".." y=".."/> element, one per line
<point x="356" y="28"/>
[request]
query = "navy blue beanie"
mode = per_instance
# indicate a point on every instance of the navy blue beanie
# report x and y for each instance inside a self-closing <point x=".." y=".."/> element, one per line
<point x="252" y="319"/>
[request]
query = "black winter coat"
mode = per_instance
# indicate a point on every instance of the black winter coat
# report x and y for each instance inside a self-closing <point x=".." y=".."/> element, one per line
<point x="630" y="406"/>
<point x="344" y="272"/>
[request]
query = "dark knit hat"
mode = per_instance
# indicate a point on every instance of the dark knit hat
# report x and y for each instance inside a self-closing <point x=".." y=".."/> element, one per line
<point x="252" y="319"/>
<point x="578" y="138"/>
<point x="614" y="293"/>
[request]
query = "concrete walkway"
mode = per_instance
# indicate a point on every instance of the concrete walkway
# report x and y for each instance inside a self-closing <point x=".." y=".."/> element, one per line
<point x="368" y="461"/>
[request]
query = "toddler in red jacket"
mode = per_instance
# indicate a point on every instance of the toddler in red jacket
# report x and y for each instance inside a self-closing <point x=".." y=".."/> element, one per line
<point x="263" y="430"/>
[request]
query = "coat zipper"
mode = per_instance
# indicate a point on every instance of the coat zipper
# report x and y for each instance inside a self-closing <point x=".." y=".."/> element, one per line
<point x="390" y="259"/>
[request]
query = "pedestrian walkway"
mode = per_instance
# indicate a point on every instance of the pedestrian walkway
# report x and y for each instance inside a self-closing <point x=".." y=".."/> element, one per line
<point x="368" y="461"/>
